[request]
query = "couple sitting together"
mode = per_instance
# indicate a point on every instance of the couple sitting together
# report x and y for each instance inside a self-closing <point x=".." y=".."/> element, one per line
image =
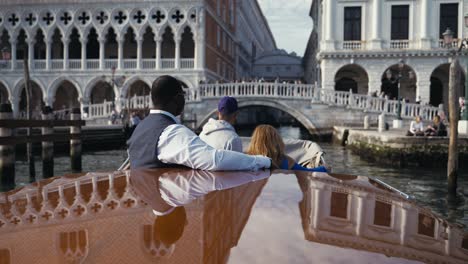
<point x="159" y="141"/>
<point x="436" y="129"/>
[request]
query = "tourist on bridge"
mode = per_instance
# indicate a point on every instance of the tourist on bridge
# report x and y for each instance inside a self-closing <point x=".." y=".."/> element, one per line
<point x="267" y="141"/>
<point x="416" y="127"/>
<point x="159" y="141"/>
<point x="220" y="134"/>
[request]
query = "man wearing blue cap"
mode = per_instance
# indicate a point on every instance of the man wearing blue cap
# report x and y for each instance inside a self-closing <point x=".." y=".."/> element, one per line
<point x="220" y="134"/>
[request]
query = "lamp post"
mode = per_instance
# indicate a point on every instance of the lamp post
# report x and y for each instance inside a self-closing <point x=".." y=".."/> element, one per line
<point x="398" y="123"/>
<point x="449" y="44"/>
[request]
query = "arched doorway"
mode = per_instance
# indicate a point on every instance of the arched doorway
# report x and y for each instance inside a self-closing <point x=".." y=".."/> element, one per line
<point x="3" y="94"/>
<point x="440" y="85"/>
<point x="352" y="77"/>
<point x="407" y="83"/>
<point x="102" y="91"/>
<point x="36" y="101"/>
<point x="66" y="96"/>
<point x="138" y="88"/>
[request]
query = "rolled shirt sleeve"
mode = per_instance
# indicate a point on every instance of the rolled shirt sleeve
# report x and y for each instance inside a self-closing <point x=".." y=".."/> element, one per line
<point x="179" y="145"/>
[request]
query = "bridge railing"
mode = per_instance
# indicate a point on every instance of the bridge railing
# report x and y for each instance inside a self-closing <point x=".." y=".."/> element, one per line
<point x="276" y="90"/>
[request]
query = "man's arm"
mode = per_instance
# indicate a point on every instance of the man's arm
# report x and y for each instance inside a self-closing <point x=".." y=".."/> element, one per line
<point x="179" y="145"/>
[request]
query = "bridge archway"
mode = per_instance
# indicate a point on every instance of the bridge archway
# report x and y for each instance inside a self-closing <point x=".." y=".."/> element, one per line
<point x="407" y="83"/>
<point x="352" y="77"/>
<point x="297" y="115"/>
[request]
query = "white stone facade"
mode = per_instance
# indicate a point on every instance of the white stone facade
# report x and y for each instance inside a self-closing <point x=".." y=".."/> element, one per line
<point x="279" y="65"/>
<point x="363" y="61"/>
<point x="83" y="52"/>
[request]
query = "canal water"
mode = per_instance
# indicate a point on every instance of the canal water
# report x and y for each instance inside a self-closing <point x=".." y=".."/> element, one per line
<point x="427" y="185"/>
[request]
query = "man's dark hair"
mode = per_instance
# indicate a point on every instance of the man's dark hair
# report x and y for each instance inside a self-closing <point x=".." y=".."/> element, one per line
<point x="164" y="89"/>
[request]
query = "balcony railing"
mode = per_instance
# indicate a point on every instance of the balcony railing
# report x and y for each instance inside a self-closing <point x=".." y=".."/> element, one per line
<point x="110" y="63"/>
<point x="353" y="45"/>
<point x="399" y="44"/>
<point x="167" y="63"/>
<point x="74" y="64"/>
<point x="455" y="44"/>
<point x="39" y="64"/>
<point x="20" y="65"/>
<point x="187" y="63"/>
<point x="5" y="64"/>
<point x="130" y="63"/>
<point x="92" y="64"/>
<point x="57" y="64"/>
<point x="148" y="63"/>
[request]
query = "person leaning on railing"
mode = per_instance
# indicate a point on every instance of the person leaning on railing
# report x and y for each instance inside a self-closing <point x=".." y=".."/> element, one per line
<point x="159" y="141"/>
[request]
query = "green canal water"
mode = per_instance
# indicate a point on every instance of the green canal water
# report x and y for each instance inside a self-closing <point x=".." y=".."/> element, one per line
<point x="427" y="185"/>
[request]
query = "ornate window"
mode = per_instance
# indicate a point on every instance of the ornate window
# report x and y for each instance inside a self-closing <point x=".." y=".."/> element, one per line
<point x="65" y="18"/>
<point x="83" y="18"/>
<point x="139" y="17"/>
<point x="48" y="18"/>
<point x="30" y="19"/>
<point x="101" y="17"/>
<point x="120" y="17"/>
<point x="177" y="16"/>
<point x="13" y="19"/>
<point x="158" y="16"/>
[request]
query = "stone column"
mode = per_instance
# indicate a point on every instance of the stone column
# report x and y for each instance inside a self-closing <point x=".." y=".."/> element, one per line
<point x="329" y="24"/>
<point x="200" y="45"/>
<point x="102" y="44"/>
<point x="75" y="144"/>
<point x="158" y="52"/>
<point x="47" y="146"/>
<point x="48" y="53"/>
<point x="31" y="54"/>
<point x="425" y="37"/>
<point x="423" y="89"/>
<point x="177" y="52"/>
<point x="84" y="42"/>
<point x="13" y="53"/>
<point x="376" y="42"/>
<point x="65" y="53"/>
<point x="120" y="41"/>
<point x="139" y="52"/>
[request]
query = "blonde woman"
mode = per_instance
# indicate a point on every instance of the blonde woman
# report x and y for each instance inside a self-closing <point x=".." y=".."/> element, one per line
<point x="267" y="141"/>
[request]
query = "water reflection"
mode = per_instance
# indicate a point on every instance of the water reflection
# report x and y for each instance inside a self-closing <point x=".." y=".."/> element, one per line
<point x="110" y="217"/>
<point x="361" y="214"/>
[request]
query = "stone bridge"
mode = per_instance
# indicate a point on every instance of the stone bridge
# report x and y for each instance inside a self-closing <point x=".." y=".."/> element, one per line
<point x="318" y="110"/>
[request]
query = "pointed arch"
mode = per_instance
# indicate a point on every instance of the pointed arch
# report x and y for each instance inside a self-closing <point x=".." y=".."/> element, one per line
<point x="187" y="45"/>
<point x="39" y="45"/>
<point x="168" y="43"/>
<point x="74" y="46"/>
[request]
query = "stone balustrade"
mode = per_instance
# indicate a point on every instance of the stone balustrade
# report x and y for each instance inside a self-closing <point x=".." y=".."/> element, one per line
<point x="307" y="93"/>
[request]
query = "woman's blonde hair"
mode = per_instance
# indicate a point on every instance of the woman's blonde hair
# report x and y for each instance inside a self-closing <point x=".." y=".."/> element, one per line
<point x="267" y="141"/>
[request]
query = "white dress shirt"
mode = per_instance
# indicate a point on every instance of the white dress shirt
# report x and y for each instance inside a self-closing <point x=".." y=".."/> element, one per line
<point x="180" y="145"/>
<point x="182" y="187"/>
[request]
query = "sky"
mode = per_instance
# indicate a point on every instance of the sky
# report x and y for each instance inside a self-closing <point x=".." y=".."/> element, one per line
<point x="290" y="23"/>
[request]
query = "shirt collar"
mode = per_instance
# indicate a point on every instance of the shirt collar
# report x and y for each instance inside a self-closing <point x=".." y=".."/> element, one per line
<point x="157" y="111"/>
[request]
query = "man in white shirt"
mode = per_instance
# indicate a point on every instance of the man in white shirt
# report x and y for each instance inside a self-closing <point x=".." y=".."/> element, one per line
<point x="159" y="141"/>
<point x="220" y="134"/>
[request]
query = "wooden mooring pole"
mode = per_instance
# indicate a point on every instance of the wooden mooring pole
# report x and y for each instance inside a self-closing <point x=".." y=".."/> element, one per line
<point x="454" y="86"/>
<point x="47" y="146"/>
<point x="7" y="152"/>
<point x="29" y="146"/>
<point x="75" y="144"/>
